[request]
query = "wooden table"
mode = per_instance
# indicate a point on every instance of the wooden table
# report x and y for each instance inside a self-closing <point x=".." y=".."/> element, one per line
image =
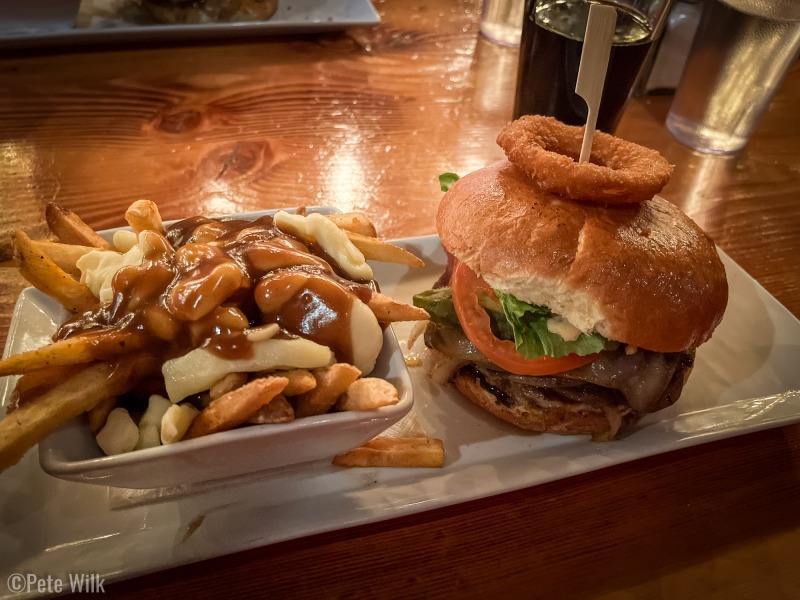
<point x="366" y="120"/>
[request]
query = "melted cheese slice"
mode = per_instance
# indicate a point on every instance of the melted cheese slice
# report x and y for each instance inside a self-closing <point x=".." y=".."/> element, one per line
<point x="366" y="336"/>
<point x="199" y="369"/>
<point x="316" y="228"/>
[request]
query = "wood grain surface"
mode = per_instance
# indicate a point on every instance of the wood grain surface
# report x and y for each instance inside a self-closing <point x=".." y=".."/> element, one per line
<point x="366" y="120"/>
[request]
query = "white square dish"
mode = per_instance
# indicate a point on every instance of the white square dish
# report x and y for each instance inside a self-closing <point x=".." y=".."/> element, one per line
<point x="72" y="453"/>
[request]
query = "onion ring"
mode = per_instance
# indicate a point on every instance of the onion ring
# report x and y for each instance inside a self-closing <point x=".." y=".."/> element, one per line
<point x="618" y="171"/>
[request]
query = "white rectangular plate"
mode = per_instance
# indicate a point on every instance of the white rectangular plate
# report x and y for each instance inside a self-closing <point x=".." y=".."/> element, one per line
<point x="47" y="25"/>
<point x="53" y="527"/>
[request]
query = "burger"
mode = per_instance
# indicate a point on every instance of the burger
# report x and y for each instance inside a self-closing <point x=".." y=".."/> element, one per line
<point x="563" y="315"/>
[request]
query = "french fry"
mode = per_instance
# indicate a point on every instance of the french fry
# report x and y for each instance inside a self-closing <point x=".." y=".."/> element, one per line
<point x="234" y="408"/>
<point x="98" y="414"/>
<point x="230" y="382"/>
<point x="143" y="215"/>
<point x="197" y="301"/>
<point x="71" y="229"/>
<point x="389" y="310"/>
<point x="64" y="255"/>
<point x="72" y="351"/>
<point x="356" y="222"/>
<point x="368" y="393"/>
<point x="375" y="249"/>
<point x="332" y="382"/>
<point x="44" y="274"/>
<point x="273" y="293"/>
<point x="155" y="245"/>
<point x="300" y="381"/>
<point x="277" y="411"/>
<point x="420" y="452"/>
<point x="31" y="423"/>
<point x="208" y="232"/>
<point x="41" y="378"/>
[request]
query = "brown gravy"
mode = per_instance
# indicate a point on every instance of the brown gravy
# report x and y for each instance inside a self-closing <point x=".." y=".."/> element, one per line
<point x="207" y="280"/>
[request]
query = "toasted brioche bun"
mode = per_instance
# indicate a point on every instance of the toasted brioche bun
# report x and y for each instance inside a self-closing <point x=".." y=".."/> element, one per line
<point x="642" y="274"/>
<point x="563" y="419"/>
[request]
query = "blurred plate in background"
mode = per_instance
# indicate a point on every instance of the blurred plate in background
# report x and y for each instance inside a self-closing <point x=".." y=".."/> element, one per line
<point x="50" y="23"/>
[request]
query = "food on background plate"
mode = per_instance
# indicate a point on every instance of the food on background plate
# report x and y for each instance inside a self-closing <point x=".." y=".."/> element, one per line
<point x="198" y="12"/>
<point x="567" y="311"/>
<point x="203" y="326"/>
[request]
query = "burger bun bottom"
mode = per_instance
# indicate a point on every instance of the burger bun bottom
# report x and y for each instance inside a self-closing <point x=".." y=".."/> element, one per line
<point x="563" y="419"/>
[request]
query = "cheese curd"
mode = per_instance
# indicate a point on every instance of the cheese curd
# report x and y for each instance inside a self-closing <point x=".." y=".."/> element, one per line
<point x="120" y="433"/>
<point x="150" y="423"/>
<point x="176" y="422"/>
<point x="124" y="240"/>
<point x="98" y="268"/>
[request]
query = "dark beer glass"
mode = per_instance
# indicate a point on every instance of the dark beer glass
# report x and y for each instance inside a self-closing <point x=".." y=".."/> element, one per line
<point x="550" y="53"/>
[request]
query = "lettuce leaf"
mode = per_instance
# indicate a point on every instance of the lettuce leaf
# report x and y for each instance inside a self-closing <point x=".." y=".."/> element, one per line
<point x="446" y="180"/>
<point x="439" y="304"/>
<point x="533" y="339"/>
<point x="512" y="319"/>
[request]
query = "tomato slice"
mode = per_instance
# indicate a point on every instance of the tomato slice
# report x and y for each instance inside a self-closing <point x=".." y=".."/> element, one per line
<point x="466" y="286"/>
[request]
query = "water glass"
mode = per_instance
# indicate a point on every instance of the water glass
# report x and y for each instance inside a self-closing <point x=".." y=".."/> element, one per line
<point x="740" y="55"/>
<point x="501" y="21"/>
